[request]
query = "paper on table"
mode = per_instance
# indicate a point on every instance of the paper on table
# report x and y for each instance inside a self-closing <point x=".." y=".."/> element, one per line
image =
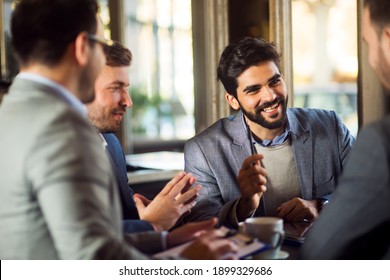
<point x="247" y="245"/>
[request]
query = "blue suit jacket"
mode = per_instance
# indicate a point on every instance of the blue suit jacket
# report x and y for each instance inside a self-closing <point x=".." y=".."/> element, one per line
<point x="131" y="221"/>
<point x="320" y="143"/>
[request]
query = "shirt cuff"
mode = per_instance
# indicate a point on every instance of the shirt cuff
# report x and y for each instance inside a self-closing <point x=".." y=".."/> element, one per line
<point x="164" y="239"/>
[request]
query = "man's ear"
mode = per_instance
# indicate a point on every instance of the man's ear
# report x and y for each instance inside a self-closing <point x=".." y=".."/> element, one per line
<point x="385" y="44"/>
<point x="82" y="48"/>
<point x="233" y="102"/>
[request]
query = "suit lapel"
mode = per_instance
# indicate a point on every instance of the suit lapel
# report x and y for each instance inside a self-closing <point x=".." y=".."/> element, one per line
<point x="302" y="143"/>
<point x="126" y="193"/>
<point x="241" y="149"/>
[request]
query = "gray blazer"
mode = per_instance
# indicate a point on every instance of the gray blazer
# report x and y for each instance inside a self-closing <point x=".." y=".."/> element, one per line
<point x="58" y="197"/>
<point x="356" y="224"/>
<point x="320" y="142"/>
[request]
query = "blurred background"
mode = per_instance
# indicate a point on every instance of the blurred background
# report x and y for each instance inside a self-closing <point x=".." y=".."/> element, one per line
<point x="176" y="45"/>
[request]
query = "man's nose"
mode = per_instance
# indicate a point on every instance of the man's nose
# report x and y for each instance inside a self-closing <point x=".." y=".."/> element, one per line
<point x="267" y="94"/>
<point x="126" y="99"/>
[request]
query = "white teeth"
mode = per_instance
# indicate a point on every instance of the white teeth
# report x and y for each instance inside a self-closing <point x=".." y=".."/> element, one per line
<point x="270" y="108"/>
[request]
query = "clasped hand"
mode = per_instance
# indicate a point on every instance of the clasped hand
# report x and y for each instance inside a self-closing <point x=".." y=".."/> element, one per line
<point x="298" y="210"/>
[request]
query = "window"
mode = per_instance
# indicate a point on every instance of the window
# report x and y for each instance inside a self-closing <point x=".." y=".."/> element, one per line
<point x="104" y="14"/>
<point x="9" y="68"/>
<point x="325" y="61"/>
<point x="159" y="34"/>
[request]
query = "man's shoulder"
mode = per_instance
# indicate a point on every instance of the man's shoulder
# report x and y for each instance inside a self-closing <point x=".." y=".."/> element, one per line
<point x="311" y="112"/>
<point x="308" y="117"/>
<point x="218" y="130"/>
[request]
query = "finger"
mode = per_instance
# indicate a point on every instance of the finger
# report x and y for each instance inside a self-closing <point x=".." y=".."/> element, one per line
<point x="298" y="217"/>
<point x="290" y="216"/>
<point x="189" y="184"/>
<point x="307" y="216"/>
<point x="250" y="177"/>
<point x="285" y="209"/>
<point x="255" y="170"/>
<point x="258" y="180"/>
<point x="178" y="188"/>
<point x="168" y="187"/>
<point x="139" y="204"/>
<point x="145" y="200"/>
<point x="184" y="198"/>
<point x="187" y="207"/>
<point x="191" y="199"/>
<point x="252" y="160"/>
<point x="253" y="185"/>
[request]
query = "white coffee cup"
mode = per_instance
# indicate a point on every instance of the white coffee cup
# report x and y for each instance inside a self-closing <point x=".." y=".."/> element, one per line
<point x="268" y="230"/>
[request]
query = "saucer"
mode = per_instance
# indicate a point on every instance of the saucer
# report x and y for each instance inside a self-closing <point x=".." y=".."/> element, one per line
<point x="282" y="255"/>
<point x="266" y="255"/>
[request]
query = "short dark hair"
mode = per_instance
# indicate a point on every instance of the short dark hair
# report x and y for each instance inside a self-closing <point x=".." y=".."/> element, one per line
<point x="42" y="29"/>
<point x="379" y="13"/>
<point x="242" y="54"/>
<point x="118" y="55"/>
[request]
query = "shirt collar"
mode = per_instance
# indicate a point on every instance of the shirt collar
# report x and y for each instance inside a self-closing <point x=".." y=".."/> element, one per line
<point x="62" y="92"/>
<point x="104" y="142"/>
<point x="278" y="140"/>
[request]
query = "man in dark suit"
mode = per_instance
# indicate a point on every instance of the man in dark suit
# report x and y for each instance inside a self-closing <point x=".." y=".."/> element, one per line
<point x="356" y="223"/>
<point x="106" y="113"/>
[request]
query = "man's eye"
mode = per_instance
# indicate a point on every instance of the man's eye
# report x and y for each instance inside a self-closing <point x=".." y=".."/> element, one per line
<point x="113" y="89"/>
<point x="275" y="82"/>
<point x="253" y="90"/>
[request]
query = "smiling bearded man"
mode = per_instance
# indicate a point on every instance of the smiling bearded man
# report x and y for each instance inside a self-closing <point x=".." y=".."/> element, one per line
<point x="298" y="153"/>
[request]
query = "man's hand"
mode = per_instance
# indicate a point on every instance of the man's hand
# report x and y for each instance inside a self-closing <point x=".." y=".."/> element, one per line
<point x="190" y="232"/>
<point x="175" y="199"/>
<point x="298" y="210"/>
<point x="251" y="181"/>
<point x="208" y="242"/>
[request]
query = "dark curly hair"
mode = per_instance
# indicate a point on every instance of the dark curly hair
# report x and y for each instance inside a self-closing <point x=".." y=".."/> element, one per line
<point x="242" y="54"/>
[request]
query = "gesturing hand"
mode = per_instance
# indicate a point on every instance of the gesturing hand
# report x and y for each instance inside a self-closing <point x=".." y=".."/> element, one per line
<point x="176" y="198"/>
<point x="251" y="181"/>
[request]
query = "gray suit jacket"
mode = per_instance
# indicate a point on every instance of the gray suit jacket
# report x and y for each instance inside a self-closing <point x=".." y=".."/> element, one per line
<point x="356" y="223"/>
<point x="58" y="197"/>
<point x="320" y="143"/>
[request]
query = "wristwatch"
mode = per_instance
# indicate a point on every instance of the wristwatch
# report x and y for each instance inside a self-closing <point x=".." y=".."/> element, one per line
<point x="321" y="202"/>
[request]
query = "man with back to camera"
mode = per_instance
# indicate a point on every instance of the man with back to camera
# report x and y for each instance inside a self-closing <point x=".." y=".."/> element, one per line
<point x="268" y="159"/>
<point x="58" y="194"/>
<point x="356" y="224"/>
<point x="106" y="113"/>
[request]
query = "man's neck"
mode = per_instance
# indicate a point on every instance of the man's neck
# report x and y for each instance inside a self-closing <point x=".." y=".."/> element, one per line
<point x="58" y="74"/>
